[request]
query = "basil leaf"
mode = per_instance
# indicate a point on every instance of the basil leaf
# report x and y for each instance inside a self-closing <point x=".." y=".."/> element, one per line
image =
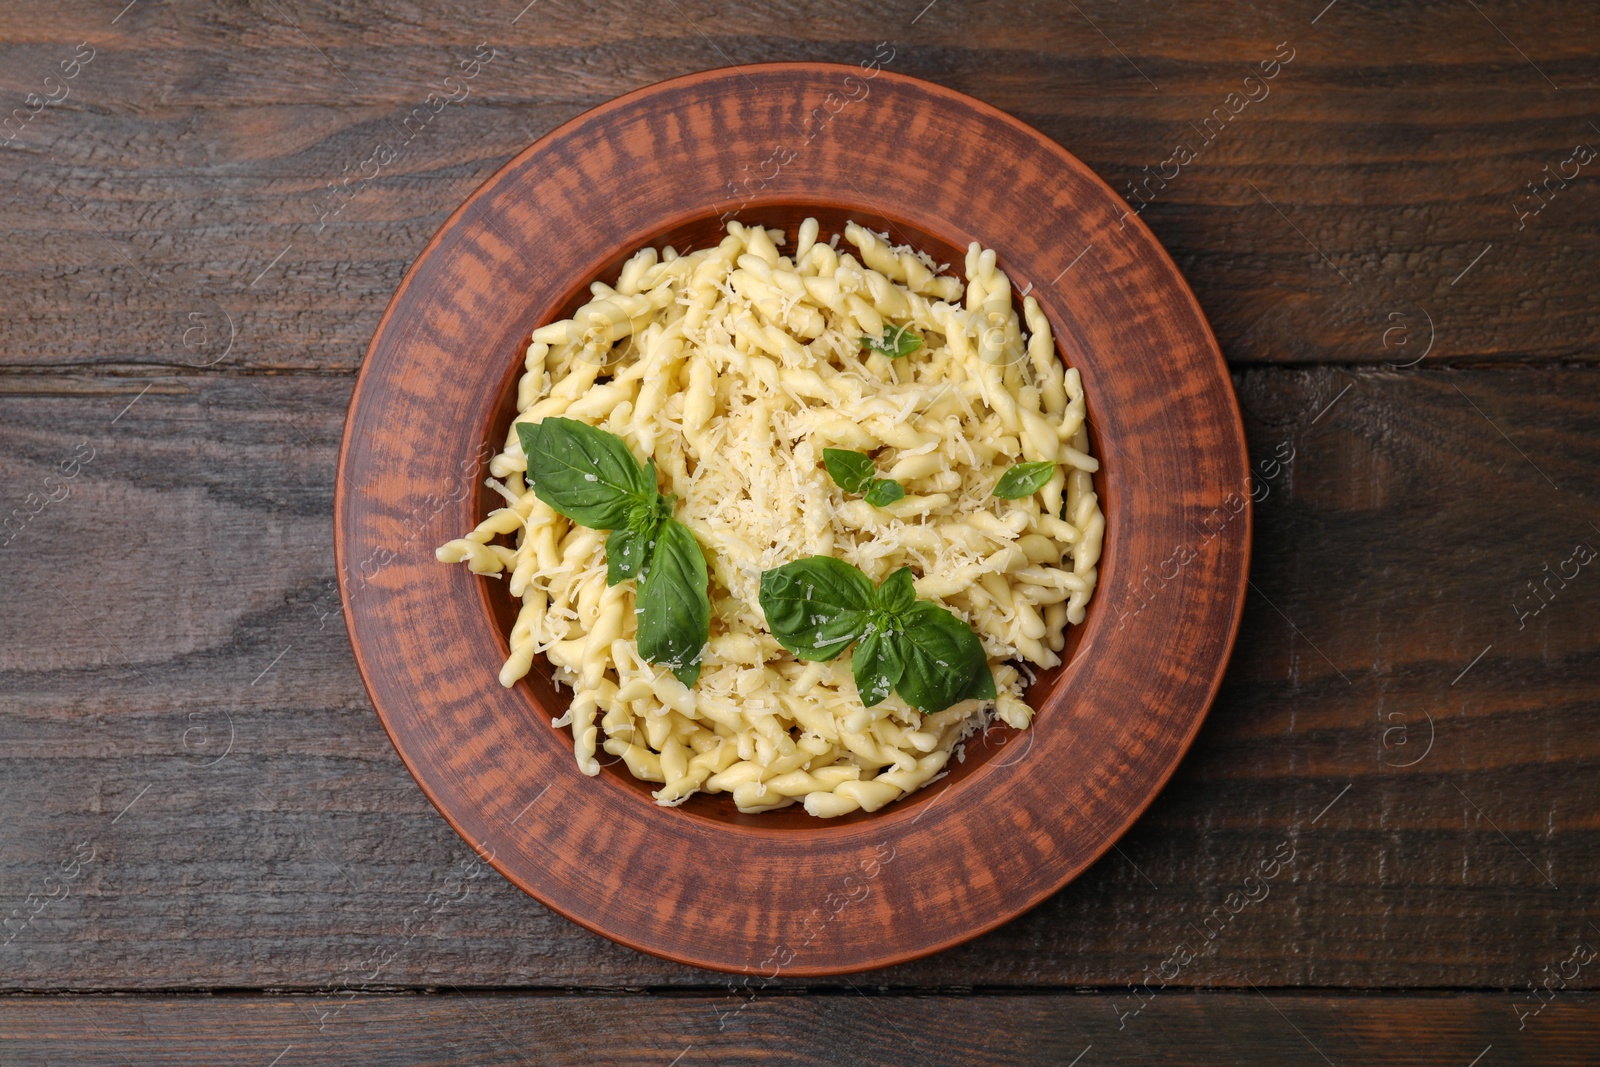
<point x="942" y="655"/>
<point x="896" y="341"/>
<point x="982" y="687"/>
<point x="850" y="471"/>
<point x="877" y="666"/>
<point x="591" y="477"/>
<point x="648" y="507"/>
<point x="645" y="516"/>
<point x="627" y="550"/>
<point x="897" y="593"/>
<point x="883" y="492"/>
<point x="674" y="611"/>
<point x="816" y="606"/>
<point x="1024" y="479"/>
<point x="584" y="473"/>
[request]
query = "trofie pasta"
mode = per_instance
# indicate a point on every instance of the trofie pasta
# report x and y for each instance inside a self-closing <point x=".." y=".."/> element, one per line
<point x="734" y="368"/>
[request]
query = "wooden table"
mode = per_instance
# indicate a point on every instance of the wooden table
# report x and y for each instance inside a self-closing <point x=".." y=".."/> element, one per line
<point x="210" y="853"/>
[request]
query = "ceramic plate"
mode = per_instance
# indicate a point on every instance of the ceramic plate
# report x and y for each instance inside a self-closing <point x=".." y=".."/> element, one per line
<point x="783" y="893"/>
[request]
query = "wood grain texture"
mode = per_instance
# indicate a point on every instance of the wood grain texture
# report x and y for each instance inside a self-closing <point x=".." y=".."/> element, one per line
<point x="164" y="226"/>
<point x="200" y="145"/>
<point x="1394" y="542"/>
<point x="785" y="893"/>
<point x="844" y="1027"/>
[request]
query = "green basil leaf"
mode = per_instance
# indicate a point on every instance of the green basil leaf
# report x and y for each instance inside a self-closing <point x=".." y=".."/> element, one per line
<point x="942" y="655"/>
<point x="674" y="611"/>
<point x="1024" y="479"/>
<point x="877" y="666"/>
<point x="816" y="606"/>
<point x="883" y="492"/>
<point x="645" y="516"/>
<point x="584" y="473"/>
<point x="850" y="471"/>
<point x="896" y="341"/>
<point x="646" y="509"/>
<point x="627" y="551"/>
<point x="897" y="593"/>
<point x="982" y="687"/>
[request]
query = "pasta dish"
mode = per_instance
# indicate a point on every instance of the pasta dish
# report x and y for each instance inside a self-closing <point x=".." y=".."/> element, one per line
<point x="793" y="526"/>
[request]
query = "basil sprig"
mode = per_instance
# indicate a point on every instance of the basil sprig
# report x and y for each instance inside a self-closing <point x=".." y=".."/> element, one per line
<point x="896" y="341"/>
<point x="1024" y="479"/>
<point x="853" y="472"/>
<point x="592" y="478"/>
<point x="819" y="606"/>
<point x="883" y="492"/>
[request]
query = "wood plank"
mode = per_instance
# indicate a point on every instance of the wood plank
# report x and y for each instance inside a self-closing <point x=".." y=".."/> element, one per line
<point x="177" y="200"/>
<point x="845" y="1026"/>
<point x="180" y="701"/>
